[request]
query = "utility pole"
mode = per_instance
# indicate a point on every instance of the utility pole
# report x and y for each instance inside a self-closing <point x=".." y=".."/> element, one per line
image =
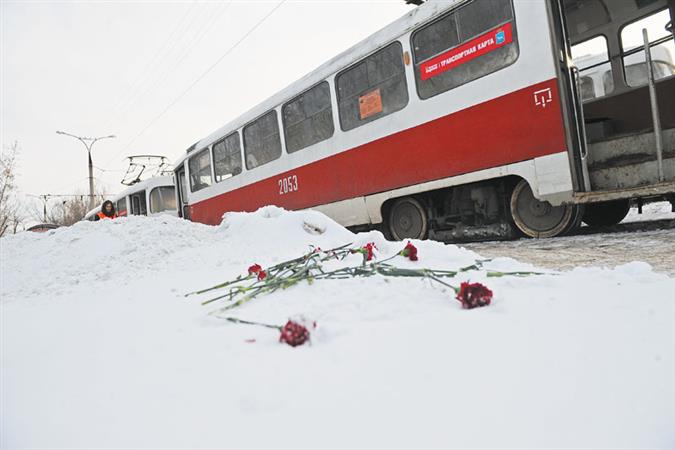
<point x="45" y="197"/>
<point x="88" y="143"/>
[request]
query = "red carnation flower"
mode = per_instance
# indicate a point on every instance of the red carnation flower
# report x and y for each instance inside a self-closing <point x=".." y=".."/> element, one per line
<point x="255" y="268"/>
<point x="366" y="250"/>
<point x="294" y="334"/>
<point x="369" y="247"/>
<point x="473" y="295"/>
<point x="410" y="251"/>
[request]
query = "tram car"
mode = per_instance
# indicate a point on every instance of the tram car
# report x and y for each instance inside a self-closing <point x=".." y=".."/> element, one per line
<point x="462" y="120"/>
<point x="153" y="196"/>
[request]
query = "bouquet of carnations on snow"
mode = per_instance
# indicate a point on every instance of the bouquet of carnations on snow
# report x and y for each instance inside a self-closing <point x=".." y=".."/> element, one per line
<point x="311" y="267"/>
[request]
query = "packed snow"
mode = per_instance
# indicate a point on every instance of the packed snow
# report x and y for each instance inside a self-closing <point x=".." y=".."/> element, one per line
<point x="102" y="350"/>
<point x="647" y="237"/>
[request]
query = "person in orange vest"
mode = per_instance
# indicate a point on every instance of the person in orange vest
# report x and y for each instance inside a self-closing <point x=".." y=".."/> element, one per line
<point x="107" y="211"/>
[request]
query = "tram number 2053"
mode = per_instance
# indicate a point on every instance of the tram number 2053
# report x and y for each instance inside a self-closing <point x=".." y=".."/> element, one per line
<point x="288" y="184"/>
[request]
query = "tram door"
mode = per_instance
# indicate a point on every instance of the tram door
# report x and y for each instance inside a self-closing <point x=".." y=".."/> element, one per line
<point x="138" y="204"/>
<point x="183" y="210"/>
<point x="628" y="125"/>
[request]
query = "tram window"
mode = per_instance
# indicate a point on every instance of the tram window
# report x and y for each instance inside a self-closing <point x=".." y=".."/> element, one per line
<point x="373" y="88"/>
<point x="262" y="142"/>
<point x="308" y="118"/>
<point x="200" y="170"/>
<point x="476" y="18"/>
<point x="436" y="38"/>
<point x="636" y="74"/>
<point x="122" y="207"/>
<point x="443" y="49"/>
<point x="592" y="59"/>
<point x="162" y="198"/>
<point x="227" y="157"/>
<point x="661" y="45"/>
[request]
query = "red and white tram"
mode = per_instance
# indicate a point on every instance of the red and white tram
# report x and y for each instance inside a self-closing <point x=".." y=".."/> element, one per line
<point x="461" y="120"/>
<point x="149" y="197"/>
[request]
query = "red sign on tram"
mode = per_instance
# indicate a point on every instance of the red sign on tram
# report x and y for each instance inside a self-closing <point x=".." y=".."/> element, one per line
<point x="479" y="46"/>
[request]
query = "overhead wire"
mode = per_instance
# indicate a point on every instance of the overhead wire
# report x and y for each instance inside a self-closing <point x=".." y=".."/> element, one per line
<point x="108" y="170"/>
<point x="201" y="76"/>
<point x="183" y="39"/>
<point x="64" y="195"/>
<point x="154" y="64"/>
<point x="70" y="184"/>
<point x="161" y="78"/>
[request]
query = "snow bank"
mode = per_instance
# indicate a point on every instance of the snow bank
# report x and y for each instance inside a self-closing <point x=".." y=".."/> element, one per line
<point x="100" y="349"/>
<point x="91" y="252"/>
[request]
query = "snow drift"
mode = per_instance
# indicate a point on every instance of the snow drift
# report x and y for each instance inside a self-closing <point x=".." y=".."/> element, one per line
<point x="101" y="350"/>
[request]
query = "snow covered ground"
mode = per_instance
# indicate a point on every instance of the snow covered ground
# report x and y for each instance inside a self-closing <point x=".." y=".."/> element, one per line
<point x="101" y="350"/>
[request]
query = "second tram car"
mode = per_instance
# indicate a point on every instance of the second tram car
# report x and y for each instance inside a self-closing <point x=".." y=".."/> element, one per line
<point x="149" y="197"/>
<point x="463" y="119"/>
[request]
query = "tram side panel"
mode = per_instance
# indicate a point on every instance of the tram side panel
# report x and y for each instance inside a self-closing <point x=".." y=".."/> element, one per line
<point x="492" y="134"/>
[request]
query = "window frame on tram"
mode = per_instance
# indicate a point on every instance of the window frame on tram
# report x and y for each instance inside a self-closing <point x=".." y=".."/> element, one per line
<point x="373" y="102"/>
<point x="627" y="51"/>
<point x="162" y="199"/>
<point x="231" y="156"/>
<point x="601" y="65"/>
<point x="469" y="71"/>
<point x="257" y="148"/>
<point x="200" y="171"/>
<point x="302" y="141"/>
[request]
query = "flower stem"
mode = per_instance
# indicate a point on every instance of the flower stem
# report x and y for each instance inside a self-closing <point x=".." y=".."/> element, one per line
<point x="437" y="280"/>
<point x="248" y="322"/>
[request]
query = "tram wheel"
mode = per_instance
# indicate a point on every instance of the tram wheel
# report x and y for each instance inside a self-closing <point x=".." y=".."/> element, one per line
<point x="407" y="219"/>
<point x="540" y="219"/>
<point x="606" y="213"/>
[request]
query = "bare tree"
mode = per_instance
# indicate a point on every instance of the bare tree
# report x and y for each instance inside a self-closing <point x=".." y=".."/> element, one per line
<point x="66" y="211"/>
<point x="10" y="210"/>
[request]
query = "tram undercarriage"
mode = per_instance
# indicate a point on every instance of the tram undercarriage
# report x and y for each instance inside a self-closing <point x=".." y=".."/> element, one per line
<point x="504" y="208"/>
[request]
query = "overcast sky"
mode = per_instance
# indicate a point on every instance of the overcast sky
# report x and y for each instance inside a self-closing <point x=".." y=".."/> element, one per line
<point x="99" y="68"/>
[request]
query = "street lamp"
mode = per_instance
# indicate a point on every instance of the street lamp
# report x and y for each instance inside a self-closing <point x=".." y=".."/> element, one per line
<point x="88" y="143"/>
